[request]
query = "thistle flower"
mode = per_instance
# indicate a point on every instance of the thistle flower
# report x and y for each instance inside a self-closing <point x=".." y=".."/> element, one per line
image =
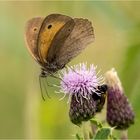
<point x="80" y="84"/>
<point x="119" y="111"/>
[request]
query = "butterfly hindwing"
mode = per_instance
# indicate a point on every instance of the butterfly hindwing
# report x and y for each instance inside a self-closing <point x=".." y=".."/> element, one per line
<point x="31" y="35"/>
<point x="81" y="35"/>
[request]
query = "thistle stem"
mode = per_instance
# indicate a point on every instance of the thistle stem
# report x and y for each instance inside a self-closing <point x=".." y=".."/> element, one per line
<point x="124" y="135"/>
<point x="85" y="131"/>
<point x="93" y="128"/>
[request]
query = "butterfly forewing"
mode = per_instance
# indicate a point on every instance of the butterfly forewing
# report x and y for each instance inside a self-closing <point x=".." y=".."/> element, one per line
<point x="49" y="28"/>
<point x="59" y="40"/>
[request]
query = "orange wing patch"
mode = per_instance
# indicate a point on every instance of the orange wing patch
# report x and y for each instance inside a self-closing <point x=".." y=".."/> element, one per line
<point x="46" y="37"/>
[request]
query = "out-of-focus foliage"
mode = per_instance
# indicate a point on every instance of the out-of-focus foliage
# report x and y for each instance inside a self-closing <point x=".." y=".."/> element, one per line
<point x="23" y="114"/>
<point x="103" y="133"/>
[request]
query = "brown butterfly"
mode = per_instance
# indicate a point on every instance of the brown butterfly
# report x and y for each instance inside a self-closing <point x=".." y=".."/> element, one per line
<point x="54" y="40"/>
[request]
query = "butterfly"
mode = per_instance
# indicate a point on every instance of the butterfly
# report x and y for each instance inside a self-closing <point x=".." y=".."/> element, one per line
<point x="56" y="39"/>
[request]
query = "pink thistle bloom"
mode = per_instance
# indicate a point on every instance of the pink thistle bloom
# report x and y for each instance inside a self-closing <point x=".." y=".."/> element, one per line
<point x="80" y="81"/>
<point x="80" y="84"/>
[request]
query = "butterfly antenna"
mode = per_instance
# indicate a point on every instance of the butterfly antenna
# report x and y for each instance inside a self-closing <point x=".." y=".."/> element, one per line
<point x="68" y="66"/>
<point x="40" y="83"/>
<point x="56" y="77"/>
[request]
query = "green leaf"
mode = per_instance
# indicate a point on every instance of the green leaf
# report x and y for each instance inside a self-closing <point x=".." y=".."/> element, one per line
<point x="131" y="82"/>
<point x="78" y="137"/>
<point x="103" y="133"/>
<point x="96" y="122"/>
<point x="113" y="137"/>
<point x="131" y="66"/>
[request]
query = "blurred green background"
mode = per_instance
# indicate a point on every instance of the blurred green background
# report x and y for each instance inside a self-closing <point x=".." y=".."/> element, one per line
<point x="23" y="114"/>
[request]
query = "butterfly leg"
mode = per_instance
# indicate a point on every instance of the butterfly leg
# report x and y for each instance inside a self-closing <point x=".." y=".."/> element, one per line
<point x="57" y="78"/>
<point x="43" y="86"/>
<point x="52" y="75"/>
<point x="40" y="83"/>
<point x="68" y="66"/>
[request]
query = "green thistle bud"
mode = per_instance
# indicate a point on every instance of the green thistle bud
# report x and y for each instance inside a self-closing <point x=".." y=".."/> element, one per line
<point x="119" y="111"/>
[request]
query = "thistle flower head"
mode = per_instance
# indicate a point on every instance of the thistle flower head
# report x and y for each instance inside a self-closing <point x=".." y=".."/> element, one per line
<point x="80" y="80"/>
<point x="80" y="83"/>
<point x="119" y="111"/>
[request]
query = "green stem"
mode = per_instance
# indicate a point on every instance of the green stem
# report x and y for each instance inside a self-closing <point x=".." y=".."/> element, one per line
<point x="124" y="135"/>
<point x="93" y="128"/>
<point x="85" y="131"/>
